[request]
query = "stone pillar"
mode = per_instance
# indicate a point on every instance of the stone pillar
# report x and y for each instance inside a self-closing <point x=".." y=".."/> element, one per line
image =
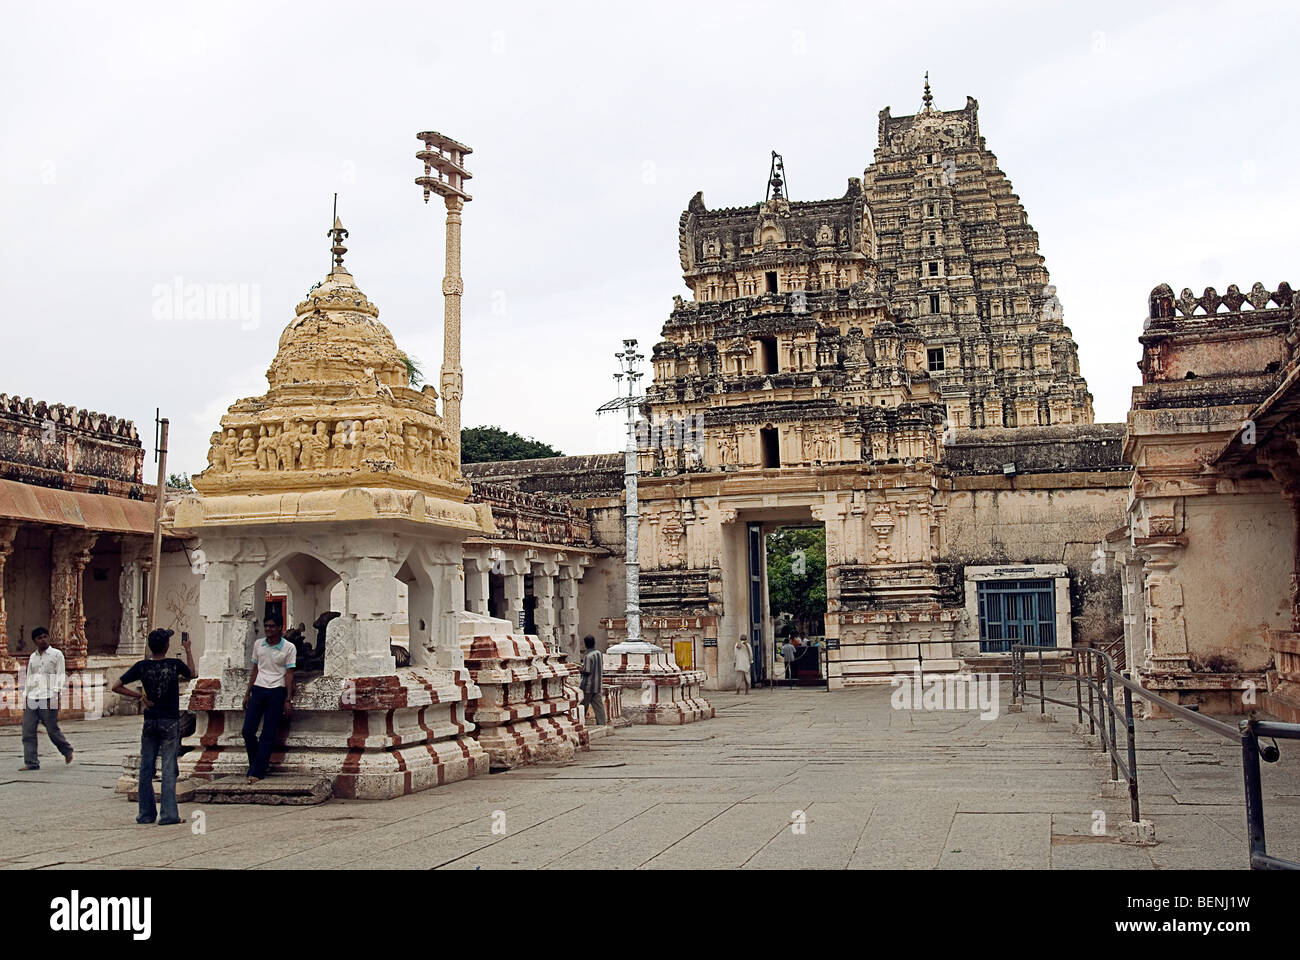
<point x="449" y="589"/>
<point x="360" y="647"/>
<point x="514" y="590"/>
<point x="71" y="553"/>
<point x="567" y="589"/>
<point x="1165" y="627"/>
<point x="136" y="561"/>
<point x="476" y="585"/>
<point x="544" y="618"/>
<point x="8" y="532"/>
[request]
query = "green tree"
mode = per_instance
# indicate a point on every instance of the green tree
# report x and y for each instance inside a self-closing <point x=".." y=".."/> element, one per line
<point x="485" y="444"/>
<point x="179" y="481"/>
<point x="796" y="576"/>
<point x="414" y="373"/>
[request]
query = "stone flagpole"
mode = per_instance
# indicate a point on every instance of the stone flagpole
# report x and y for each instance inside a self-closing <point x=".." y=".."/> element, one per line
<point x="445" y="175"/>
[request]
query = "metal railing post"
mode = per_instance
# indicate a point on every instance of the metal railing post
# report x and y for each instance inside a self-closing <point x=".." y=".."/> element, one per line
<point x="1254" y="791"/>
<point x="1092" y="707"/>
<point x="1101" y="696"/>
<point x="1042" y="704"/>
<point x="1110" y="713"/>
<point x="1078" y="686"/>
<point x="1132" y="752"/>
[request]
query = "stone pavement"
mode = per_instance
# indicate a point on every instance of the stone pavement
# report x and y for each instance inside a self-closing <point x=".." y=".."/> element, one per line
<point x="877" y="788"/>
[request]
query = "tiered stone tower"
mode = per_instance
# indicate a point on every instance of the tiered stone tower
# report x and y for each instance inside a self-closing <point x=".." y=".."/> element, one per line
<point x="828" y="347"/>
<point x="956" y="252"/>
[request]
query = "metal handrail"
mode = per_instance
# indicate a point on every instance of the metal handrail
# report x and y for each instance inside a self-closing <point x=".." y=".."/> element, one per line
<point x="1098" y="667"/>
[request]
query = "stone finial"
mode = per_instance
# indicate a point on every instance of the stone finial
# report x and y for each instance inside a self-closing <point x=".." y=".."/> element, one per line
<point x="927" y="98"/>
<point x="338" y="233"/>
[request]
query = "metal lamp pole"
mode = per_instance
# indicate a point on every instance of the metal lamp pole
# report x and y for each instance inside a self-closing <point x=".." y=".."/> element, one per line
<point x="629" y="359"/>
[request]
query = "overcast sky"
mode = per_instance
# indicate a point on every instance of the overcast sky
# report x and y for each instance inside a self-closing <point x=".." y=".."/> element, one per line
<point x="146" y="145"/>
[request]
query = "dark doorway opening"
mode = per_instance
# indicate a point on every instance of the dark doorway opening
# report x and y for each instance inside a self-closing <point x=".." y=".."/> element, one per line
<point x="771" y="445"/>
<point x="767" y="348"/>
<point x="796" y="585"/>
<point x="771" y="281"/>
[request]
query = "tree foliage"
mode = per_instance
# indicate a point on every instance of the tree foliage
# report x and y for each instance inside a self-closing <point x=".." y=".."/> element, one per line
<point x="796" y="576"/>
<point x="179" y="481"/>
<point x="414" y="373"/>
<point x="485" y="444"/>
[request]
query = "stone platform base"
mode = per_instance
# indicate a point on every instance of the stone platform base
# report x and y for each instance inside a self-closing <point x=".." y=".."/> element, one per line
<point x="1286" y="709"/>
<point x="373" y="737"/>
<point x="654" y="689"/>
<point x="526" y="712"/>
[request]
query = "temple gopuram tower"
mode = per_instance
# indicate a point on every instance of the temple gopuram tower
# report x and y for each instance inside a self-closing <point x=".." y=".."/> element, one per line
<point x="828" y="349"/>
<point x="342" y="479"/>
<point x="955" y="251"/>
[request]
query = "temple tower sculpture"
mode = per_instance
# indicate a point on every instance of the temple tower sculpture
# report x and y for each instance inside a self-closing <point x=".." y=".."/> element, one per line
<point x="827" y="350"/>
<point x="344" y="480"/>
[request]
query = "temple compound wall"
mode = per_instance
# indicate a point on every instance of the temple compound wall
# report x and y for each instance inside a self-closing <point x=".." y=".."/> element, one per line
<point x="575" y="535"/>
<point x="76" y="527"/>
<point x="1207" y="552"/>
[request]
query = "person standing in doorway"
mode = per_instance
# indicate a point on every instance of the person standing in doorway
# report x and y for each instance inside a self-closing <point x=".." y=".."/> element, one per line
<point x="160" y="680"/>
<point x="46" y="675"/>
<point x="788" y="654"/>
<point x="269" y="696"/>
<point x="593" y="665"/>
<point x="744" y="660"/>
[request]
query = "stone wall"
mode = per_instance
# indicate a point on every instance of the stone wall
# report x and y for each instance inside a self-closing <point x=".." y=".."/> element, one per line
<point x="52" y="445"/>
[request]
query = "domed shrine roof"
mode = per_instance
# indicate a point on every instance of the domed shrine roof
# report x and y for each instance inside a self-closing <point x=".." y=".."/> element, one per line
<point x="339" y="411"/>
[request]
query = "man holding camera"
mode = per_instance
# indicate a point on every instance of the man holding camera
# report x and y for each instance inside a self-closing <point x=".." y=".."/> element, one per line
<point x="160" y="682"/>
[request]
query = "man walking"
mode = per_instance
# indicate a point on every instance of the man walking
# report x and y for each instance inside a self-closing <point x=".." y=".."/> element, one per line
<point x="160" y="680"/>
<point x="269" y="695"/>
<point x="788" y="654"/>
<point x="46" y="675"/>
<point x="744" y="660"/>
<point x="592" y="666"/>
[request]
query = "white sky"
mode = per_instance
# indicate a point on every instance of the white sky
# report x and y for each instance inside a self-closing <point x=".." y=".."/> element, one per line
<point x="1149" y="143"/>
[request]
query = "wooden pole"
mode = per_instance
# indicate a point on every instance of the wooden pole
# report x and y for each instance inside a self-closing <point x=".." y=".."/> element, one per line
<point x="155" y="569"/>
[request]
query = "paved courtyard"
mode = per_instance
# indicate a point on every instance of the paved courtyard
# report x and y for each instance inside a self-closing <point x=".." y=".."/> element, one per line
<point x="782" y="778"/>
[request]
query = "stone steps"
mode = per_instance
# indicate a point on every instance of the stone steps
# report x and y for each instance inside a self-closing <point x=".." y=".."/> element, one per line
<point x="277" y="790"/>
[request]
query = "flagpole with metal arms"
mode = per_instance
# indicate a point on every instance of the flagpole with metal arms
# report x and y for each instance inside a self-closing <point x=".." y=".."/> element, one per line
<point x="629" y="359"/>
<point x="445" y="175"/>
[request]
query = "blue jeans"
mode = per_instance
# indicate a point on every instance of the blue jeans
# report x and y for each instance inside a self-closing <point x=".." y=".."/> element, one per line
<point x="158" y="740"/>
<point x="268" y="703"/>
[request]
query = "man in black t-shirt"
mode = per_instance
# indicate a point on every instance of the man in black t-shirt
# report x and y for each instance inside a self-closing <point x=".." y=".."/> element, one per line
<point x="160" y="678"/>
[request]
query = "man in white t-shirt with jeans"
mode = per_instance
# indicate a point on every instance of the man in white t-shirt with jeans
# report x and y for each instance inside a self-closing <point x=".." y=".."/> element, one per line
<point x="269" y="696"/>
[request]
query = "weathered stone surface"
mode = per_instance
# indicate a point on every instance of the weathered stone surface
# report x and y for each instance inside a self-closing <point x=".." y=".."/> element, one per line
<point x="525" y="711"/>
<point x="655" y="689"/>
<point x="276" y="790"/>
<point x="342" y="481"/>
<point x="1214" y="499"/>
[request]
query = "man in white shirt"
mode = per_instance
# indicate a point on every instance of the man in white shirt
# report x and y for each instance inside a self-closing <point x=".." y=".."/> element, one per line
<point x="269" y="695"/>
<point x="46" y="675"/>
<point x="744" y="660"/>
